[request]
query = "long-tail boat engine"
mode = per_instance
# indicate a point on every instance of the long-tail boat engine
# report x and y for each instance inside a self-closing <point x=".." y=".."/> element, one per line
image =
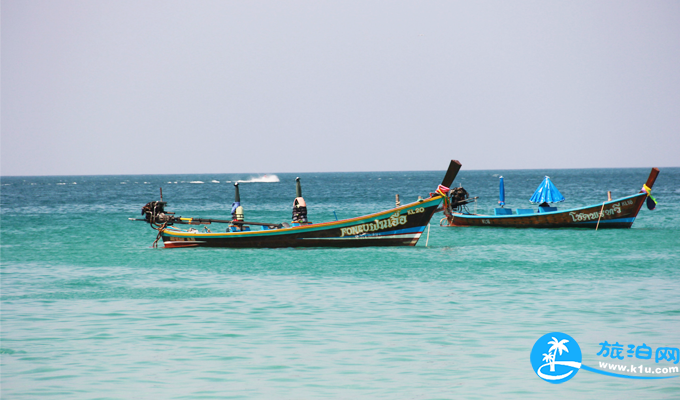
<point x="299" y="205"/>
<point x="154" y="213"/>
<point x="459" y="197"/>
<point x="299" y="210"/>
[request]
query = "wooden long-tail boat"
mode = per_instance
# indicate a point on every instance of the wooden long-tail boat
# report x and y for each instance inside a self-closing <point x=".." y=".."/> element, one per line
<point x="400" y="226"/>
<point x="618" y="213"/>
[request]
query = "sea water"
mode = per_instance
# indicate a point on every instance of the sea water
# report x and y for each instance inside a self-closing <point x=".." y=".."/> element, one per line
<point x="91" y="311"/>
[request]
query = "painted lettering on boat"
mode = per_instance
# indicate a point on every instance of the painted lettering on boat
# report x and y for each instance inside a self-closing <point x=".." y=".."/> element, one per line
<point x="393" y="221"/>
<point x="593" y="216"/>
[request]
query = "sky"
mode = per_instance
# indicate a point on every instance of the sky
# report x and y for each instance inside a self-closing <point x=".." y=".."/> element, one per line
<point x="173" y="87"/>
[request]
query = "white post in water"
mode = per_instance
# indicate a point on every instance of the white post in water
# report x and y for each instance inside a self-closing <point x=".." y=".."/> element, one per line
<point x="428" y="235"/>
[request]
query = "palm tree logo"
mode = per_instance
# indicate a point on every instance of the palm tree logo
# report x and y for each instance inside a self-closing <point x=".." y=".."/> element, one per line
<point x="558" y="364"/>
<point x="556" y="346"/>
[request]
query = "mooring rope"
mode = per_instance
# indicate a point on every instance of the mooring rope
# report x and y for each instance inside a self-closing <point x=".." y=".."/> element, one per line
<point x="598" y="220"/>
<point x="160" y="233"/>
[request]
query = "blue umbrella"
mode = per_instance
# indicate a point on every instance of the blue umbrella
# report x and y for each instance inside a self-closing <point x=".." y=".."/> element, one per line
<point x="547" y="193"/>
<point x="502" y="193"/>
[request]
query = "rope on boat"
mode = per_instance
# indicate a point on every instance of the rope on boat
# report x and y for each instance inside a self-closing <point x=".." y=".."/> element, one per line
<point x="447" y="207"/>
<point x="598" y="220"/>
<point x="160" y="232"/>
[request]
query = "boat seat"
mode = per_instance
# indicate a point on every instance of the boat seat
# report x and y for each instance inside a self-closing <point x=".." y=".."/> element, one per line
<point x="525" y="211"/>
<point x="546" y="209"/>
<point x="502" y="211"/>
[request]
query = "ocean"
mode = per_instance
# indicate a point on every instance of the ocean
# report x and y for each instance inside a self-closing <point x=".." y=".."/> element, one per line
<point x="91" y="311"/>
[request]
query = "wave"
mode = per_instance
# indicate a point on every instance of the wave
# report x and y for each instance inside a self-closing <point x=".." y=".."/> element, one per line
<point x="264" y="178"/>
<point x="199" y="182"/>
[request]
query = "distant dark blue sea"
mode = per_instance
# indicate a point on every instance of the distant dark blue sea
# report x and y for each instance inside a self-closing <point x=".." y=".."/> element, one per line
<point x="91" y="311"/>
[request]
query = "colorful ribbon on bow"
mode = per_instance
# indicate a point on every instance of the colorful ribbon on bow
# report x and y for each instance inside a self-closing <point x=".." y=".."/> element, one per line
<point x="647" y="189"/>
<point x="442" y="191"/>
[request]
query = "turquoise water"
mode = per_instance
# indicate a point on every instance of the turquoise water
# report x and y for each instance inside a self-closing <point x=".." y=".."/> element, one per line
<point x="90" y="310"/>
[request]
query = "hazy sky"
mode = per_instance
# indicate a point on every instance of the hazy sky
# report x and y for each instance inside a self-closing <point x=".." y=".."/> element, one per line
<point x="137" y="87"/>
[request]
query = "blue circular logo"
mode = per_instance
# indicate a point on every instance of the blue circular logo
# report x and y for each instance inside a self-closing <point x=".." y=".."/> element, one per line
<point x="556" y="357"/>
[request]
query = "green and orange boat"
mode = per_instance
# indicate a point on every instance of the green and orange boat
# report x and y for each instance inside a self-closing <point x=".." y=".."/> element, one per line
<point x="399" y="226"/>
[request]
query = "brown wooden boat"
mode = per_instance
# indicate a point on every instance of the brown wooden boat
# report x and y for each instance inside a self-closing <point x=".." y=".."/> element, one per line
<point x="619" y="213"/>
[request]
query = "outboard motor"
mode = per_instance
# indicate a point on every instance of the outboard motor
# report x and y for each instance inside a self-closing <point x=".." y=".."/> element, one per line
<point x="458" y="197"/>
<point x="154" y="212"/>
<point x="299" y="205"/>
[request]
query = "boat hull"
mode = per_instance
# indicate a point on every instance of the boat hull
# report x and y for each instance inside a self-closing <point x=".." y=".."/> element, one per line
<point x="619" y="213"/>
<point x="401" y="226"/>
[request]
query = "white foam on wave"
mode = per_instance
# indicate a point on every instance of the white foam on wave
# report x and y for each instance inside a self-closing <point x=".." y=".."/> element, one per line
<point x="261" y="179"/>
<point x="198" y="182"/>
<point x="214" y="181"/>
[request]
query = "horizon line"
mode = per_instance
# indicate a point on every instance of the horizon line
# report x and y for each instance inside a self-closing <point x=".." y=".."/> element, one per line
<point x="320" y="172"/>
